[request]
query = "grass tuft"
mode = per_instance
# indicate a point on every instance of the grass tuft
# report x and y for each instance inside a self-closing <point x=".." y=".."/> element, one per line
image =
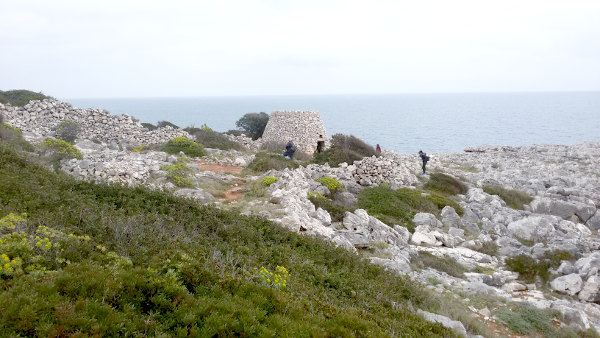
<point x="515" y="199"/>
<point x="445" y="184"/>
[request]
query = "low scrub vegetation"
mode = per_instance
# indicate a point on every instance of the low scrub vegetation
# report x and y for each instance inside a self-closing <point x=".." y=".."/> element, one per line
<point x="445" y="263"/>
<point x="58" y="150"/>
<point x="185" y="145"/>
<point x="336" y="211"/>
<point x="212" y="139"/>
<point x="515" y="199"/>
<point x="179" y="174"/>
<point x="400" y="206"/>
<point x="108" y="260"/>
<point x="529" y="268"/>
<point x="263" y="162"/>
<point x="527" y="319"/>
<point x="344" y="148"/>
<point x="162" y="124"/>
<point x="68" y="131"/>
<point x="445" y="184"/>
<point x="20" y="97"/>
<point x="149" y="126"/>
<point x="14" y="136"/>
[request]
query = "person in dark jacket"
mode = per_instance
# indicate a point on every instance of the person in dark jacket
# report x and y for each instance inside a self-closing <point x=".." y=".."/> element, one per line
<point x="425" y="159"/>
<point x="289" y="150"/>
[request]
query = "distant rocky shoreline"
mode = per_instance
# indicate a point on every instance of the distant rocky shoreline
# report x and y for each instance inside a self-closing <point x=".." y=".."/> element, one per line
<point x="564" y="182"/>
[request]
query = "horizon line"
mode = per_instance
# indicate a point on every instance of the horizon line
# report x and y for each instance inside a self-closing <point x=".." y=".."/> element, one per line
<point x="331" y="94"/>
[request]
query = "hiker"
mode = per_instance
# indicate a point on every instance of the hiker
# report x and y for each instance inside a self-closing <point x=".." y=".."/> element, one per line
<point x="378" y="149"/>
<point x="320" y="144"/>
<point x="290" y="149"/>
<point x="425" y="159"/>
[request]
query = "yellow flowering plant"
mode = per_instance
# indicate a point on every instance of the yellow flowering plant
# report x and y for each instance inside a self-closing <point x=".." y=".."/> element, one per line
<point x="276" y="279"/>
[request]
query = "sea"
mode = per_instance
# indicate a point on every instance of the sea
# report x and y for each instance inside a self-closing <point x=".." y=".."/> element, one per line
<point x="405" y="123"/>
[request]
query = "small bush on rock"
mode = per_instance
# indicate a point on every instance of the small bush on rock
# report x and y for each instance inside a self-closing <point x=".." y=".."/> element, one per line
<point x="149" y="126"/>
<point x="529" y="268"/>
<point x="162" y="124"/>
<point x="60" y="150"/>
<point x="344" y="148"/>
<point x="68" y="131"/>
<point x="515" y="199"/>
<point x="527" y="319"/>
<point x="335" y="211"/>
<point x="445" y="184"/>
<point x="331" y="183"/>
<point x="263" y="162"/>
<point x="267" y="181"/>
<point x="445" y="263"/>
<point x="178" y="173"/>
<point x="187" y="146"/>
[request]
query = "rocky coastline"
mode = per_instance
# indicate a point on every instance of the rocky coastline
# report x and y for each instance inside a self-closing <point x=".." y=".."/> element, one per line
<point x="564" y="215"/>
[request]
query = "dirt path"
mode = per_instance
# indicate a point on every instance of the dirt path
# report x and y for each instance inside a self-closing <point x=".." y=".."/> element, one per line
<point x="233" y="193"/>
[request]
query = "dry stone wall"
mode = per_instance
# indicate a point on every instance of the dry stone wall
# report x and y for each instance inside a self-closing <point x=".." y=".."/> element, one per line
<point x="42" y="117"/>
<point x="302" y="127"/>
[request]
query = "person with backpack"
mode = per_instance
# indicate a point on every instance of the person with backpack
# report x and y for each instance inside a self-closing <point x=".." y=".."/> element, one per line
<point x="290" y="149"/>
<point x="425" y="159"/>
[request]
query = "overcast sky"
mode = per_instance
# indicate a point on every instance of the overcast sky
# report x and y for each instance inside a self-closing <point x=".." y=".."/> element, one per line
<point x="74" y="49"/>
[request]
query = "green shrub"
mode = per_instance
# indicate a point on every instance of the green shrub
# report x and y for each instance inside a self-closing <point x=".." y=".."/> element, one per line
<point x="515" y="199"/>
<point x="263" y="162"/>
<point x="336" y="211"/>
<point x="187" y="146"/>
<point x="68" y="131"/>
<point x="400" y="206"/>
<point x="213" y="139"/>
<point x="331" y="183"/>
<point x="445" y="263"/>
<point x="344" y="148"/>
<point x="268" y="180"/>
<point x="489" y="248"/>
<point x="14" y="136"/>
<point x="178" y="173"/>
<point x="253" y="123"/>
<point x="20" y="97"/>
<point x="140" y="148"/>
<point x="162" y="124"/>
<point x="526" y="319"/>
<point x="236" y="132"/>
<point x="529" y="268"/>
<point x="445" y="184"/>
<point x="60" y="150"/>
<point x="149" y="126"/>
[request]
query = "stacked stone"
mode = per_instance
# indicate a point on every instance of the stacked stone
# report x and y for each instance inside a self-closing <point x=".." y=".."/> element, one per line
<point x="42" y="117"/>
<point x="302" y="127"/>
<point x="384" y="169"/>
<point x="245" y="141"/>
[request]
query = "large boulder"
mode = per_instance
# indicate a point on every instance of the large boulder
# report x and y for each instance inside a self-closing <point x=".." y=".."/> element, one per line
<point x="533" y="228"/>
<point x="197" y="194"/>
<point x="454" y="325"/>
<point x="563" y="209"/>
<point x="423" y="218"/>
<point x="591" y="290"/>
<point x="569" y="284"/>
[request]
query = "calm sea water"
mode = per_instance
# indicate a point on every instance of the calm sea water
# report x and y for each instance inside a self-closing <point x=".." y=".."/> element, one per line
<point x="404" y="123"/>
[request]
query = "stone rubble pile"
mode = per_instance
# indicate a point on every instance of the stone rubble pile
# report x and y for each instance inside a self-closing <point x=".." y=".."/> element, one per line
<point x="41" y="118"/>
<point x="393" y="169"/>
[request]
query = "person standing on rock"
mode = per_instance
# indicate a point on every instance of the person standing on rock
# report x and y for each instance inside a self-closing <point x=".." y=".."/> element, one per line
<point x="290" y="149"/>
<point x="425" y="159"/>
<point x="378" y="149"/>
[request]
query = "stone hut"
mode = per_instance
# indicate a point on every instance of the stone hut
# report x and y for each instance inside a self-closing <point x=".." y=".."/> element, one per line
<point x="302" y="127"/>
